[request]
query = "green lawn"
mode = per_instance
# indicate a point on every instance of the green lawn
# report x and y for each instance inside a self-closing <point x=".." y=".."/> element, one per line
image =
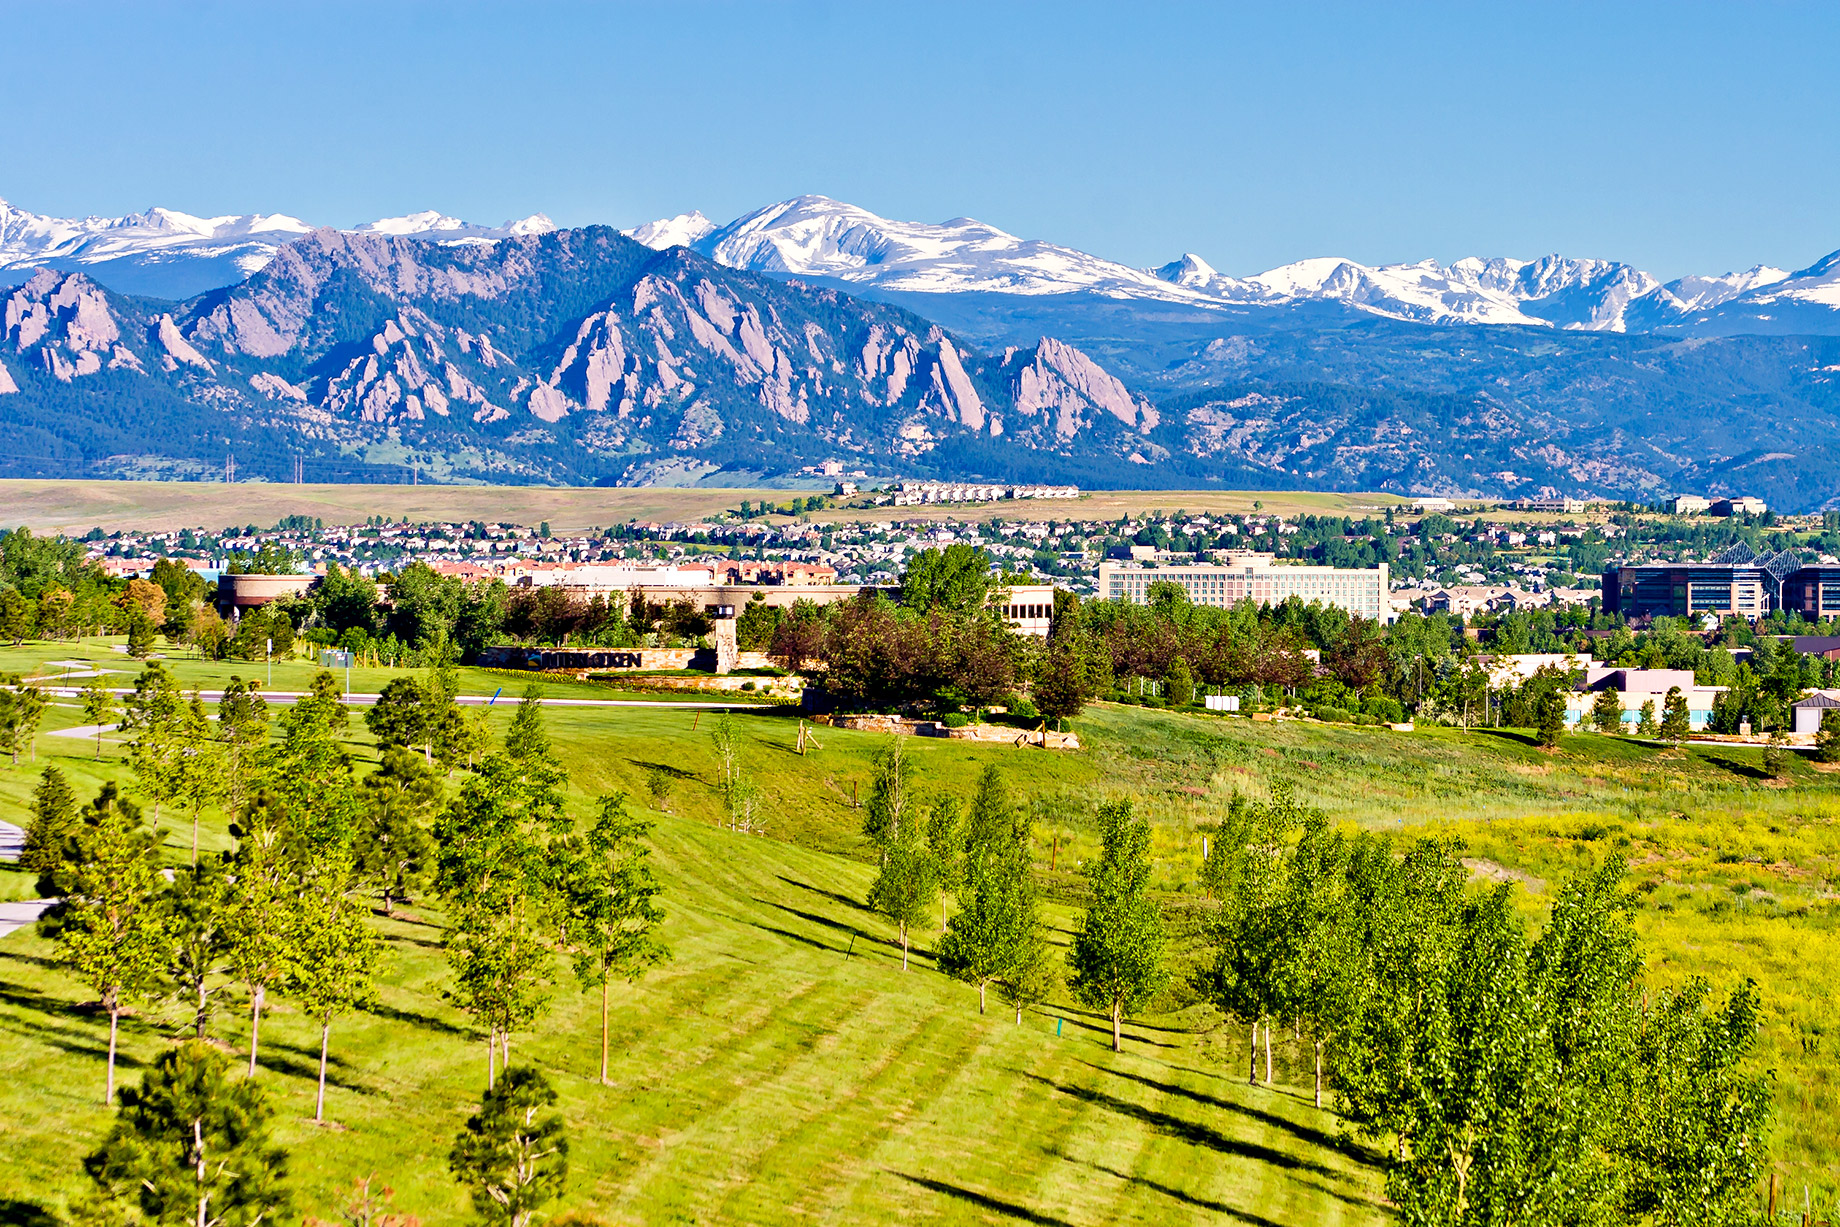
<point x="783" y="1066"/>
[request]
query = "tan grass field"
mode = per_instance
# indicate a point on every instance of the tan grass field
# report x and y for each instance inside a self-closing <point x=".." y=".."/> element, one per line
<point x="77" y="506"/>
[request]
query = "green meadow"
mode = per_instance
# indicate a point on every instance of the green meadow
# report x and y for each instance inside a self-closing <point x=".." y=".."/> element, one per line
<point x="783" y="1067"/>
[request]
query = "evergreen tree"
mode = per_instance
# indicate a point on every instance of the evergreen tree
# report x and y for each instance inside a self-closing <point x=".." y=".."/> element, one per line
<point x="401" y="716"/>
<point x="54" y="821"/>
<point x="509" y="1159"/>
<point x="1675" y="722"/>
<point x="1607" y="711"/>
<point x="143" y="634"/>
<point x="107" y="925"/>
<point x="1117" y="956"/>
<point x="15" y="616"/>
<point x="1827" y="741"/>
<point x="191" y="1146"/>
<point x="1179" y="683"/>
<point x="613" y="912"/>
<point x="1646" y="725"/>
<point x="393" y="848"/>
<point x="1549" y="712"/>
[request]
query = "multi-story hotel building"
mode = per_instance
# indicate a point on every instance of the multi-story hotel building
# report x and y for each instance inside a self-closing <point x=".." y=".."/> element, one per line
<point x="1259" y="577"/>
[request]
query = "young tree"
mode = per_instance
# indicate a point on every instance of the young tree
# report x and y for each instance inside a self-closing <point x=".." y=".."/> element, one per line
<point x="1776" y="756"/>
<point x="1646" y="725"/>
<point x="393" y="848"/>
<point x="1827" y="741"/>
<point x="21" y="710"/>
<point x="54" y="821"/>
<point x="1607" y="711"/>
<point x="401" y="716"/>
<point x="108" y="923"/>
<point x="143" y="634"/>
<point x="199" y="770"/>
<point x="613" y="912"/>
<point x="98" y="707"/>
<point x="156" y="711"/>
<point x="945" y="845"/>
<point x="242" y="727"/>
<point x="510" y="1160"/>
<point x="1692" y="1137"/>
<point x="259" y="917"/>
<point x="725" y="739"/>
<point x="191" y="1148"/>
<point x="1031" y="977"/>
<point x="195" y="938"/>
<point x="988" y="938"/>
<point x="1179" y="683"/>
<point x="335" y="960"/>
<point x="15" y="616"/>
<point x="904" y="887"/>
<point x="890" y="793"/>
<point x="1549" y="711"/>
<point x="1675" y="723"/>
<point x="1117" y="956"/>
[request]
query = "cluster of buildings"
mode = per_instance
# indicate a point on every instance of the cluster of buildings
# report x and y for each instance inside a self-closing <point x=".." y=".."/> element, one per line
<point x="916" y="493"/>
<point x="1260" y="577"/>
<point x="1633" y="688"/>
<point x="1695" y="504"/>
<point x="1738" y="582"/>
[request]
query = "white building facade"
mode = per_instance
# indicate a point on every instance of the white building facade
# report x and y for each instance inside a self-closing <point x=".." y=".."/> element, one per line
<point x="1256" y="577"/>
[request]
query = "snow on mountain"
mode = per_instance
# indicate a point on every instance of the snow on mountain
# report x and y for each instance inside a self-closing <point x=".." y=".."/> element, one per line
<point x="680" y="231"/>
<point x="164" y="253"/>
<point x="815" y="236"/>
<point x="1699" y="293"/>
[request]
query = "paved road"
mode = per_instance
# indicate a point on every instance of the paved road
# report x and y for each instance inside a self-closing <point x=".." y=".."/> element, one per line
<point x="12" y="842"/>
<point x="19" y="915"/>
<point x="363" y="699"/>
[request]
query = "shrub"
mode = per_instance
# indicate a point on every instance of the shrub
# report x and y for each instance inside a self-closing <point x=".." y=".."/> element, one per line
<point x="1384" y="709"/>
<point x="1151" y="700"/>
<point x="1332" y="715"/>
<point x="955" y="720"/>
<point x="1024" y="709"/>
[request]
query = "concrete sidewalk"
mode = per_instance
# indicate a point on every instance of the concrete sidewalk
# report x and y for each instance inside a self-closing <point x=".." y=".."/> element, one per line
<point x="19" y="915"/>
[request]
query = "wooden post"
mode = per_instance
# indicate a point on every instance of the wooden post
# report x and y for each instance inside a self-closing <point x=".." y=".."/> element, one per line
<point x="698" y="720"/>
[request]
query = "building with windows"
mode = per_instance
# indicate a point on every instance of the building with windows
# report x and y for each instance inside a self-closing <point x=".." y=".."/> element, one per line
<point x="1742" y="505"/>
<point x="1738" y="582"/>
<point x="1689" y="504"/>
<point x="1256" y="577"/>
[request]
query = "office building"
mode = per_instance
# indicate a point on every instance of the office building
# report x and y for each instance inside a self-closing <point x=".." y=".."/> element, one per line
<point x="1738" y="582"/>
<point x="1256" y="577"/>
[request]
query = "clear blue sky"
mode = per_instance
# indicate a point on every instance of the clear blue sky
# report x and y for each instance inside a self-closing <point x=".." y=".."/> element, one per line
<point x="1681" y="137"/>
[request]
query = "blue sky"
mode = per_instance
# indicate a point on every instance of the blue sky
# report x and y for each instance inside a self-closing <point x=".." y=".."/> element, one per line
<point x="1680" y="137"/>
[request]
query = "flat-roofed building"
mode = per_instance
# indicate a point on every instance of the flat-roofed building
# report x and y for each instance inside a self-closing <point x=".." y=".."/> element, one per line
<point x="1255" y="577"/>
<point x="1689" y="504"/>
<point x="1738" y="582"/>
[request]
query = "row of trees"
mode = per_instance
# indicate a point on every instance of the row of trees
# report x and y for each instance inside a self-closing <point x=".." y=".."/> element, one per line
<point x="983" y="859"/>
<point x="1506" y="1076"/>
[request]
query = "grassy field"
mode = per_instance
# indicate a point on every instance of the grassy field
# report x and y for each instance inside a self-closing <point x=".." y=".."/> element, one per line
<point x="783" y="1066"/>
<point x="78" y="506"/>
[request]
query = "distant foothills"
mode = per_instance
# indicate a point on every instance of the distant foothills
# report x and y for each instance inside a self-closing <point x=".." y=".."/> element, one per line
<point x="684" y="352"/>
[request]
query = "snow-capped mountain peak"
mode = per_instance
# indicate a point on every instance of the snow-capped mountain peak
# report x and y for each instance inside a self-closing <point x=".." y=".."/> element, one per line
<point x="1190" y="270"/>
<point x="679" y="231"/>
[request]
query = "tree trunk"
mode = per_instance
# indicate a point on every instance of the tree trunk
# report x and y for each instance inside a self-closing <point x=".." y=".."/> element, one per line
<point x="1117" y="1025"/>
<point x="325" y="1037"/>
<point x="1252" y="1056"/>
<point x="255" y="1024"/>
<point x="198" y="1024"/>
<point x="603" y="1028"/>
<point x="204" y="1198"/>
<point x="108" y="1094"/>
<point x="99" y="743"/>
<point x="1268" y="1052"/>
<point x="491" y="1057"/>
<point x="1319" y="1073"/>
<point x="1018" y="1013"/>
<point x="903" y="947"/>
<point x="980" y="996"/>
<point x="194" y="837"/>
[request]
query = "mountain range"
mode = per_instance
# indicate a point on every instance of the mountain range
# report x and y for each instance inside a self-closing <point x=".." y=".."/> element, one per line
<point x="685" y="351"/>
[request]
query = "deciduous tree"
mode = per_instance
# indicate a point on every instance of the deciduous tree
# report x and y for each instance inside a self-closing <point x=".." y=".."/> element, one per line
<point x="1117" y="955"/>
<point x="334" y="959"/>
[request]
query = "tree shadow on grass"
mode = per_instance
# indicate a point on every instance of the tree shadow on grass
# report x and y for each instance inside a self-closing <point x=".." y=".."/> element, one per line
<point x="392" y="1014"/>
<point x="1187" y="1199"/>
<point x="16" y="1212"/>
<point x="676" y="773"/>
<point x="832" y="895"/>
<point x="1525" y="739"/>
<point x="1736" y="766"/>
<point x="34" y="960"/>
<point x="983" y="1201"/>
<point x="1347" y="1147"/>
<point x="837" y="925"/>
<point x="1192" y="1132"/>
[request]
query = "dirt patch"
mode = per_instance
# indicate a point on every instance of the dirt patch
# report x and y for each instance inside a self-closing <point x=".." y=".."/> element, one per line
<point x="1482" y="869"/>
